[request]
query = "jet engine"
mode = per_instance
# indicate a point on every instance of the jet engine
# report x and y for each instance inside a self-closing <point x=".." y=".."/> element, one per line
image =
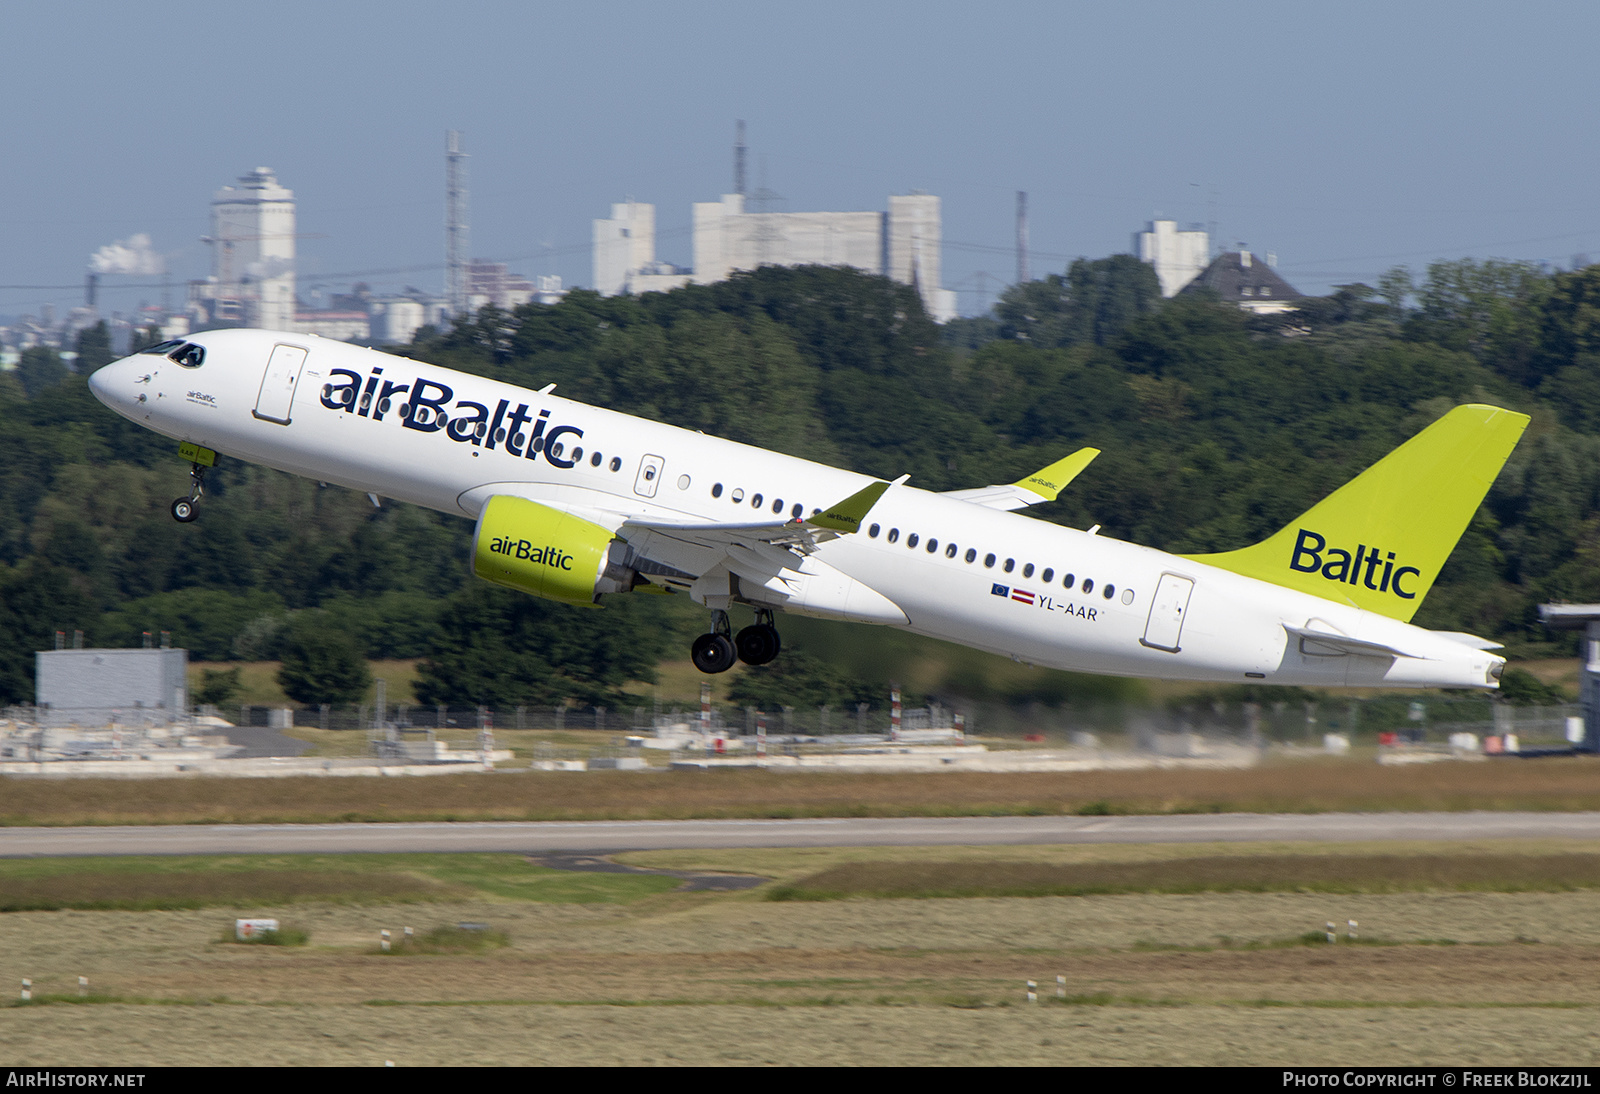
<point x="536" y="549"/>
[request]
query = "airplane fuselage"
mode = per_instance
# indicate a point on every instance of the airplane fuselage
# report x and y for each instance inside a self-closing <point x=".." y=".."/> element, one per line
<point x="938" y="566"/>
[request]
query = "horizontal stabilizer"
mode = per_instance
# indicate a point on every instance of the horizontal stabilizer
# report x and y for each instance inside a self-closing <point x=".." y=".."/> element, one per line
<point x="1045" y="484"/>
<point x="1334" y="644"/>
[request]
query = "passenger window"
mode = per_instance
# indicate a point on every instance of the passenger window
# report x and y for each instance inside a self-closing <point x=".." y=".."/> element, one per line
<point x="873" y="531"/>
<point x="971" y="554"/>
<point x="894" y="535"/>
<point x="911" y="540"/>
<point x="755" y="501"/>
<point x="1068" y="581"/>
<point x="950" y="551"/>
<point x="988" y="562"/>
<point x="1011" y="564"/>
<point x="616" y="463"/>
<point x="933" y="546"/>
<point x="716" y="491"/>
<point x="737" y="496"/>
<point x="594" y="460"/>
<point x="1111" y="591"/>
<point x="1027" y="571"/>
<point x="577" y="452"/>
<point x="777" y="505"/>
<point x="1048" y="576"/>
<point x="798" y="511"/>
<point x="1088" y="584"/>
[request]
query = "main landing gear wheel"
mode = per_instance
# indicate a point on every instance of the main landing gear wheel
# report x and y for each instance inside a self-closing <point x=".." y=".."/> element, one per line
<point x="758" y="643"/>
<point x="712" y="653"/>
<point x="183" y="510"/>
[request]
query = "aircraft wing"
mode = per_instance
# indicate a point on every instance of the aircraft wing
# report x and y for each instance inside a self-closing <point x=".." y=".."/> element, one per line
<point x="1045" y="484"/>
<point x="803" y="534"/>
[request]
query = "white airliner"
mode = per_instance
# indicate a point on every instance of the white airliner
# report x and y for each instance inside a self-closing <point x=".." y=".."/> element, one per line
<point x="572" y="501"/>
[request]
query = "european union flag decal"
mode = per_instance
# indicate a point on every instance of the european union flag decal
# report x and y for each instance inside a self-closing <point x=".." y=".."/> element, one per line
<point x="999" y="590"/>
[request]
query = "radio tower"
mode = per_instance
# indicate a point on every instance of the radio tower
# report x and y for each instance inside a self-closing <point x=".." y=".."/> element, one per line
<point x="1022" y="237"/>
<point x="738" y="160"/>
<point x="455" y="224"/>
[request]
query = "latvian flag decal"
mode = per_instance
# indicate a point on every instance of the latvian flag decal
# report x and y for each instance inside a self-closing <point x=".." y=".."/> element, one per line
<point x="1023" y="595"/>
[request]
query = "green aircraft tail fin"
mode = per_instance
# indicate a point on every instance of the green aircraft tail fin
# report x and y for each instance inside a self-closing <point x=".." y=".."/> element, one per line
<point x="1379" y="541"/>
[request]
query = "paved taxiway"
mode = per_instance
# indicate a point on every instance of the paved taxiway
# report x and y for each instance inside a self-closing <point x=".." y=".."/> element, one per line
<point x="596" y="836"/>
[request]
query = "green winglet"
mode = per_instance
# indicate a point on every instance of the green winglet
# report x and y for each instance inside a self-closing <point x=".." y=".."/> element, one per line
<point x="848" y="514"/>
<point x="1050" y="481"/>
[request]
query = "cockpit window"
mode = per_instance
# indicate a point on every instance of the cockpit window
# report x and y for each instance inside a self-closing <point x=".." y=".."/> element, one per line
<point x="164" y="347"/>
<point x="189" y="355"/>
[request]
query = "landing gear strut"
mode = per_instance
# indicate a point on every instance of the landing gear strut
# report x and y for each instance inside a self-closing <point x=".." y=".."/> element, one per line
<point x="186" y="509"/>
<point x="758" y="643"/>
<point x="712" y="653"/>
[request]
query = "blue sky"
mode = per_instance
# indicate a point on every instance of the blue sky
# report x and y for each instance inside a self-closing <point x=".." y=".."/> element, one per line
<point x="1345" y="138"/>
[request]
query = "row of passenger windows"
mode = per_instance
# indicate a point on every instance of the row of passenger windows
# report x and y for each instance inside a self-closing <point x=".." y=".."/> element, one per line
<point x="1047" y="575"/>
<point x="757" y="501"/>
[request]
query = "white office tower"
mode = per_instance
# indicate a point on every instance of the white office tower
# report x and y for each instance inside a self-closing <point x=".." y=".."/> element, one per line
<point x="625" y="253"/>
<point x="903" y="243"/>
<point x="252" y="252"/>
<point x="1177" y="256"/>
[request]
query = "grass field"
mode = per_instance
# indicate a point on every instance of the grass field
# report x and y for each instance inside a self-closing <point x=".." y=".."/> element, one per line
<point x="1305" y="786"/>
<point x="656" y="975"/>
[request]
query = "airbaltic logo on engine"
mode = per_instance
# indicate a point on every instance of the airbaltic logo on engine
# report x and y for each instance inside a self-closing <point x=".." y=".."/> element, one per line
<point x="521" y="548"/>
<point x="466" y="422"/>
<point x="1371" y="566"/>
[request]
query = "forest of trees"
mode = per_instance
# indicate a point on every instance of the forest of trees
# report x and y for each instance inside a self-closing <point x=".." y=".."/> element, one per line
<point x="1217" y="428"/>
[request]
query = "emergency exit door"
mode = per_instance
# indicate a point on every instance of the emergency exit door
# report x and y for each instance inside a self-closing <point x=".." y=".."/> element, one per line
<point x="278" y="384"/>
<point x="1171" y="604"/>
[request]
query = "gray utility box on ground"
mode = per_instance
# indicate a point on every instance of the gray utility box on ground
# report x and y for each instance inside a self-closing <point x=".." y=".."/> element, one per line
<point x="89" y="687"/>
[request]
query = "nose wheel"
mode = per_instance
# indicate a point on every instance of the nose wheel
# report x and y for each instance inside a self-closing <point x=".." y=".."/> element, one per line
<point x="187" y="509"/>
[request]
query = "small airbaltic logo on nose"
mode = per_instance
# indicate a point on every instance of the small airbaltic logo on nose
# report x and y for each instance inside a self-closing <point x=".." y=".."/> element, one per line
<point x="521" y="548"/>
<point x="1371" y="567"/>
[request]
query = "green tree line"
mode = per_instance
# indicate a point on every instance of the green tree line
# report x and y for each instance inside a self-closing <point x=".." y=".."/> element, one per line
<point x="1217" y="427"/>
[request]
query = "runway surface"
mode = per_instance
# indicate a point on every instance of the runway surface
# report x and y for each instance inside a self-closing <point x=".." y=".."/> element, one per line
<point x="602" y="836"/>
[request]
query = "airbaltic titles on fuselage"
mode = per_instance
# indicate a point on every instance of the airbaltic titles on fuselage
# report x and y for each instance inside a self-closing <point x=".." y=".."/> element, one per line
<point x="467" y="422"/>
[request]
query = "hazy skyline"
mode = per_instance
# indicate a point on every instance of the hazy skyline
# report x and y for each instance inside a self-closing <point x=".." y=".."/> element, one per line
<point x="1345" y="141"/>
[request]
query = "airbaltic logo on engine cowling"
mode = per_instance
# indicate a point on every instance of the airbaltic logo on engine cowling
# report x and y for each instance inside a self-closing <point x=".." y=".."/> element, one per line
<point x="553" y="557"/>
<point x="1371" y="567"/>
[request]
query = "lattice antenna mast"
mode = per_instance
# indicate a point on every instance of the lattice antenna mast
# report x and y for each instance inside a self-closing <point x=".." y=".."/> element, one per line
<point x="738" y="159"/>
<point x="1022" y="237"/>
<point x="455" y="223"/>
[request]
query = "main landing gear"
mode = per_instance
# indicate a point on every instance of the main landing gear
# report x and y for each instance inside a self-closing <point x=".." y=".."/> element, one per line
<point x="756" y="644"/>
<point x="187" y="509"/>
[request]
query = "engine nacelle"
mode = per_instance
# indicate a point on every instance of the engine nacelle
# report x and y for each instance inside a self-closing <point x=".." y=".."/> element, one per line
<point x="536" y="549"/>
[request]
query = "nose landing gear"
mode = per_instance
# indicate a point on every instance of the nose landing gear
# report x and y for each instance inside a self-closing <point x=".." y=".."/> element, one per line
<point x="187" y="509"/>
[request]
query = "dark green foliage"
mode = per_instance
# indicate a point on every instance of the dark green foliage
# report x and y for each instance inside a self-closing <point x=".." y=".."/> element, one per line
<point x="94" y="348"/>
<point x="796" y="679"/>
<point x="1217" y="429"/>
<point x="218" y="686"/>
<point x="1523" y="688"/>
<point x="322" y="665"/>
<point x="505" y="649"/>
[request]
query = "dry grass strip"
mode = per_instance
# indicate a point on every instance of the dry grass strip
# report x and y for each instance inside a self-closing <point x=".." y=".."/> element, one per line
<point x="1210" y="874"/>
<point x="1555" y="785"/>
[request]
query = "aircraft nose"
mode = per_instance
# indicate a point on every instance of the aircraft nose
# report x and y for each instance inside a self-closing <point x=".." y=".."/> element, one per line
<point x="113" y="384"/>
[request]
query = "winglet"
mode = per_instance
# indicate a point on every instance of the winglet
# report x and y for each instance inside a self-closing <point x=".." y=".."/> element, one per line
<point x="1050" y="481"/>
<point x="847" y="515"/>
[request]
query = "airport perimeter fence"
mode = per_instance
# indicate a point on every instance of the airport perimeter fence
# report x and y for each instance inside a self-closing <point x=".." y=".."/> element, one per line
<point x="1302" y="722"/>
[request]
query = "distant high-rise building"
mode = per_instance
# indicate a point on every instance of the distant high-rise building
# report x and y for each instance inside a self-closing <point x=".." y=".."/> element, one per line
<point x="903" y="243"/>
<point x="1177" y="256"/>
<point x="252" y="253"/>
